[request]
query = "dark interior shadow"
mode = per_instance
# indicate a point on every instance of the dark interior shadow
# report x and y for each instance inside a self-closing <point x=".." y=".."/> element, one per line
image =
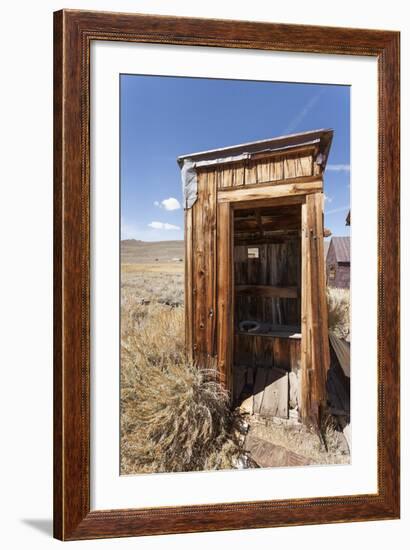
<point x="338" y="391"/>
<point x="43" y="525"/>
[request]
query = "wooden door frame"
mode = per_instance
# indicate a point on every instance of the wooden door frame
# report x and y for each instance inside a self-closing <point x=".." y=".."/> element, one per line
<point x="225" y="295"/>
<point x="315" y="355"/>
<point x="225" y="276"/>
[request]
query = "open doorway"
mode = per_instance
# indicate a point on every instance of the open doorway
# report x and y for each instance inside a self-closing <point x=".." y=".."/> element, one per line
<point x="267" y="318"/>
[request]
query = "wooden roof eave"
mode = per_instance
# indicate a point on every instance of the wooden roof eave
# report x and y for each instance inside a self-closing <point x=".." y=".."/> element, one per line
<point x="282" y="145"/>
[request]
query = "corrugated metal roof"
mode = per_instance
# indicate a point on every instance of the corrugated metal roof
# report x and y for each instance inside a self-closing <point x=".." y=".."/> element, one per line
<point x="323" y="137"/>
<point x="341" y="247"/>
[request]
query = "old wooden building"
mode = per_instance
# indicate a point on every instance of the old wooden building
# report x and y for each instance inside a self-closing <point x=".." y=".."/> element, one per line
<point x="255" y="275"/>
<point x="338" y="263"/>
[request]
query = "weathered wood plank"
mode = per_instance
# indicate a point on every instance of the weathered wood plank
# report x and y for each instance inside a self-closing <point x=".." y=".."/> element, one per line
<point x="270" y="455"/>
<point x="306" y="166"/>
<point x="204" y="269"/>
<point x="211" y="252"/>
<point x="315" y="342"/>
<point x="342" y="351"/>
<point x="199" y="272"/>
<point x="305" y="322"/>
<point x="269" y="191"/>
<point x="275" y="400"/>
<point x="258" y="389"/>
<point x="272" y="201"/>
<point x="289" y="166"/>
<point x="238" y="174"/>
<point x="225" y="294"/>
<point x="285" y="222"/>
<point x="268" y="291"/>
<point x="294" y="389"/>
<point x="318" y="274"/>
<point x="278" y="265"/>
<point x="291" y="152"/>
<point x="277" y="181"/>
<point x="188" y="285"/>
<point x="281" y="353"/>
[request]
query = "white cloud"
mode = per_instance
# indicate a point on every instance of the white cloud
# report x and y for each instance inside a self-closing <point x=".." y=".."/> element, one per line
<point x="338" y="167"/>
<point x="328" y="199"/>
<point x="168" y="204"/>
<point x="163" y="225"/>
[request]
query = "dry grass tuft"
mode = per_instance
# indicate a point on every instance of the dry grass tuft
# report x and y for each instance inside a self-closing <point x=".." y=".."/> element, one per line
<point x="175" y="416"/>
<point x="338" y="305"/>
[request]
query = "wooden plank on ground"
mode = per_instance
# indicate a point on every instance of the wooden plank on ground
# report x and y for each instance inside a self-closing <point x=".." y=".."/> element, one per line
<point x="270" y="455"/>
<point x="275" y="401"/>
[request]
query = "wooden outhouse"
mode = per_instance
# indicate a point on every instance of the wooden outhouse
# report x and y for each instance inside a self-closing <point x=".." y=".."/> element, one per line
<point x="255" y="276"/>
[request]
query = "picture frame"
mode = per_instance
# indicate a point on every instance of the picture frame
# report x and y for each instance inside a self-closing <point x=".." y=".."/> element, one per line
<point x="74" y="32"/>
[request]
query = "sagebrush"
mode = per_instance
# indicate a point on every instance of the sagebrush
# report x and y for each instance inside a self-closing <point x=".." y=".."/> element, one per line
<point x="338" y="306"/>
<point x="175" y="415"/>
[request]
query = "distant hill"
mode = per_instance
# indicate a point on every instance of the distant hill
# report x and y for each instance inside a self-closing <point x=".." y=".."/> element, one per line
<point x="142" y="252"/>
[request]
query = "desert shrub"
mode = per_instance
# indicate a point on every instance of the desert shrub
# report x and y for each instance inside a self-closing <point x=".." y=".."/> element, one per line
<point x="175" y="415"/>
<point x="338" y="305"/>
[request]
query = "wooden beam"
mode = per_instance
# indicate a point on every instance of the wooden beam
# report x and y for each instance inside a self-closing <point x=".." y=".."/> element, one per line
<point x="264" y="240"/>
<point x="235" y="194"/>
<point x="291" y="152"/>
<point x="188" y="285"/>
<point x="271" y="202"/>
<point x="244" y="226"/>
<point x="315" y="340"/>
<point x="306" y="359"/>
<point x="279" y="181"/>
<point x="267" y="291"/>
<point x="259" y="221"/>
<point x="252" y="239"/>
<point x="204" y="216"/>
<point x="225" y="298"/>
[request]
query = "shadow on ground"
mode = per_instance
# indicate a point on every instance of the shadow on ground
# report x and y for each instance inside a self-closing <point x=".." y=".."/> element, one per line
<point x="43" y="525"/>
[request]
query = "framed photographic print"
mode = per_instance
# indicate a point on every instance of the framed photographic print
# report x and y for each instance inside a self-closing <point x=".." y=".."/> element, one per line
<point x="226" y="288"/>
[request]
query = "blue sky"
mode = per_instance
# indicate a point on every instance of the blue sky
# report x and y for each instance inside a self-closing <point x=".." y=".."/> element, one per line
<point x="164" y="117"/>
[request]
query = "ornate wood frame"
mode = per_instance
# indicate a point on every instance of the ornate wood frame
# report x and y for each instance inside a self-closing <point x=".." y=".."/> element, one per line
<point x="74" y="31"/>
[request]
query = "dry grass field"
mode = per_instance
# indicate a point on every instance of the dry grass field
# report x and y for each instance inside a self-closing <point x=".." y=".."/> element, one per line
<point x="175" y="416"/>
